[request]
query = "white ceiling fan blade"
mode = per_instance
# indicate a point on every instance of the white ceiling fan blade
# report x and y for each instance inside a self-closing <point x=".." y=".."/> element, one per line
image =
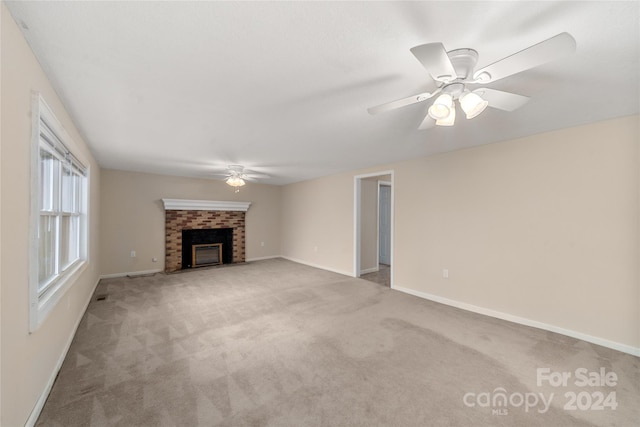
<point x="502" y="100"/>
<point x="400" y="103"/>
<point x="549" y="50"/>
<point x="427" y="123"/>
<point x="255" y="175"/>
<point x="434" y="58"/>
<point x="251" y="174"/>
<point x="239" y="171"/>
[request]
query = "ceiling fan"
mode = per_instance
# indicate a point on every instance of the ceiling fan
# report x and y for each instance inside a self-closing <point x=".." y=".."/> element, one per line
<point x="236" y="175"/>
<point x="454" y="71"/>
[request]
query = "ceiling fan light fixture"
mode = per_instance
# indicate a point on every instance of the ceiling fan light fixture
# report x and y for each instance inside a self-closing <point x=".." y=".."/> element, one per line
<point x="450" y="119"/>
<point x="235" y="181"/>
<point x="441" y="108"/>
<point x="455" y="69"/>
<point x="472" y="104"/>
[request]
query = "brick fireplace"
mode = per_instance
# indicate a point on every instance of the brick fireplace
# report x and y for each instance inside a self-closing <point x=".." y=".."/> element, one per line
<point x="202" y="215"/>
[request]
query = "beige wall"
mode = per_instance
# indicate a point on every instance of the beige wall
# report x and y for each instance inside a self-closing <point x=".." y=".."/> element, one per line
<point x="133" y="216"/>
<point x="29" y="361"/>
<point x="543" y="228"/>
<point x="318" y="219"/>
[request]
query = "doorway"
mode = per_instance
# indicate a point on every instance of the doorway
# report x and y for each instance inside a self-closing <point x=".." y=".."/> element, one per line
<point x="373" y="227"/>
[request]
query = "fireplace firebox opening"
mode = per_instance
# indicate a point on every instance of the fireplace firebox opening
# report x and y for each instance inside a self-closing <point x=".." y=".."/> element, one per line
<point x="216" y="244"/>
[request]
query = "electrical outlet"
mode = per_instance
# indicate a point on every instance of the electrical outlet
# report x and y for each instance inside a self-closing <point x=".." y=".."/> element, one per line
<point x="445" y="273"/>
<point x="154" y="259"/>
<point x="315" y="249"/>
<point x="261" y="243"/>
<point x="133" y="254"/>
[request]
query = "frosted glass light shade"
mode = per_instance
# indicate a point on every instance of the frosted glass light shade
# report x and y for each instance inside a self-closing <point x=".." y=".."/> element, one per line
<point x="441" y="107"/>
<point x="450" y="119"/>
<point x="235" y="181"/>
<point x="472" y="104"/>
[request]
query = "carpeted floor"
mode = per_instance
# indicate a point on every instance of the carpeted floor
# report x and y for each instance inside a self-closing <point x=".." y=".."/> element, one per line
<point x="275" y="343"/>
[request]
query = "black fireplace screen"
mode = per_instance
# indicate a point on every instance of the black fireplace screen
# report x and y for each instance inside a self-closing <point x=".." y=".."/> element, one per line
<point x="207" y="254"/>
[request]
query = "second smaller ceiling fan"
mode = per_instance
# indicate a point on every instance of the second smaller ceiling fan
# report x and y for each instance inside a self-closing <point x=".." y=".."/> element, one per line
<point x="236" y="175"/>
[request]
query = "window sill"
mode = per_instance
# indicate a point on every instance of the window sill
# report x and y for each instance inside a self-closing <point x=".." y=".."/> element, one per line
<point x="51" y="297"/>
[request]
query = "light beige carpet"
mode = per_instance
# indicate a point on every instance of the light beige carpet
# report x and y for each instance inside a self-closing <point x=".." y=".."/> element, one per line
<point x="275" y="343"/>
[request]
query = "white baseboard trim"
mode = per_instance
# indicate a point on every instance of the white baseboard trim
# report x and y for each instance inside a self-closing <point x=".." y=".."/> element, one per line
<point x="37" y="409"/>
<point x="322" y="267"/>
<point x="130" y="273"/>
<point x="263" y="258"/>
<point x="369" y="270"/>
<point x="635" y="351"/>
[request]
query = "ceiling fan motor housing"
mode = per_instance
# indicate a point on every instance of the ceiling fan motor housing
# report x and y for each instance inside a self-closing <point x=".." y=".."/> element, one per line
<point x="464" y="61"/>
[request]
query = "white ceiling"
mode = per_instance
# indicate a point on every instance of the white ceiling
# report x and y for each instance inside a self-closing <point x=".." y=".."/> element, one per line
<point x="184" y="88"/>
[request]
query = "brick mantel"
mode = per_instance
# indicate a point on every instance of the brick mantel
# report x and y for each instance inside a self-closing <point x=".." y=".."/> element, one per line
<point x="197" y="215"/>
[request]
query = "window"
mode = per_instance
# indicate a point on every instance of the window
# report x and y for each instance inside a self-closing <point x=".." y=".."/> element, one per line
<point x="59" y="237"/>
